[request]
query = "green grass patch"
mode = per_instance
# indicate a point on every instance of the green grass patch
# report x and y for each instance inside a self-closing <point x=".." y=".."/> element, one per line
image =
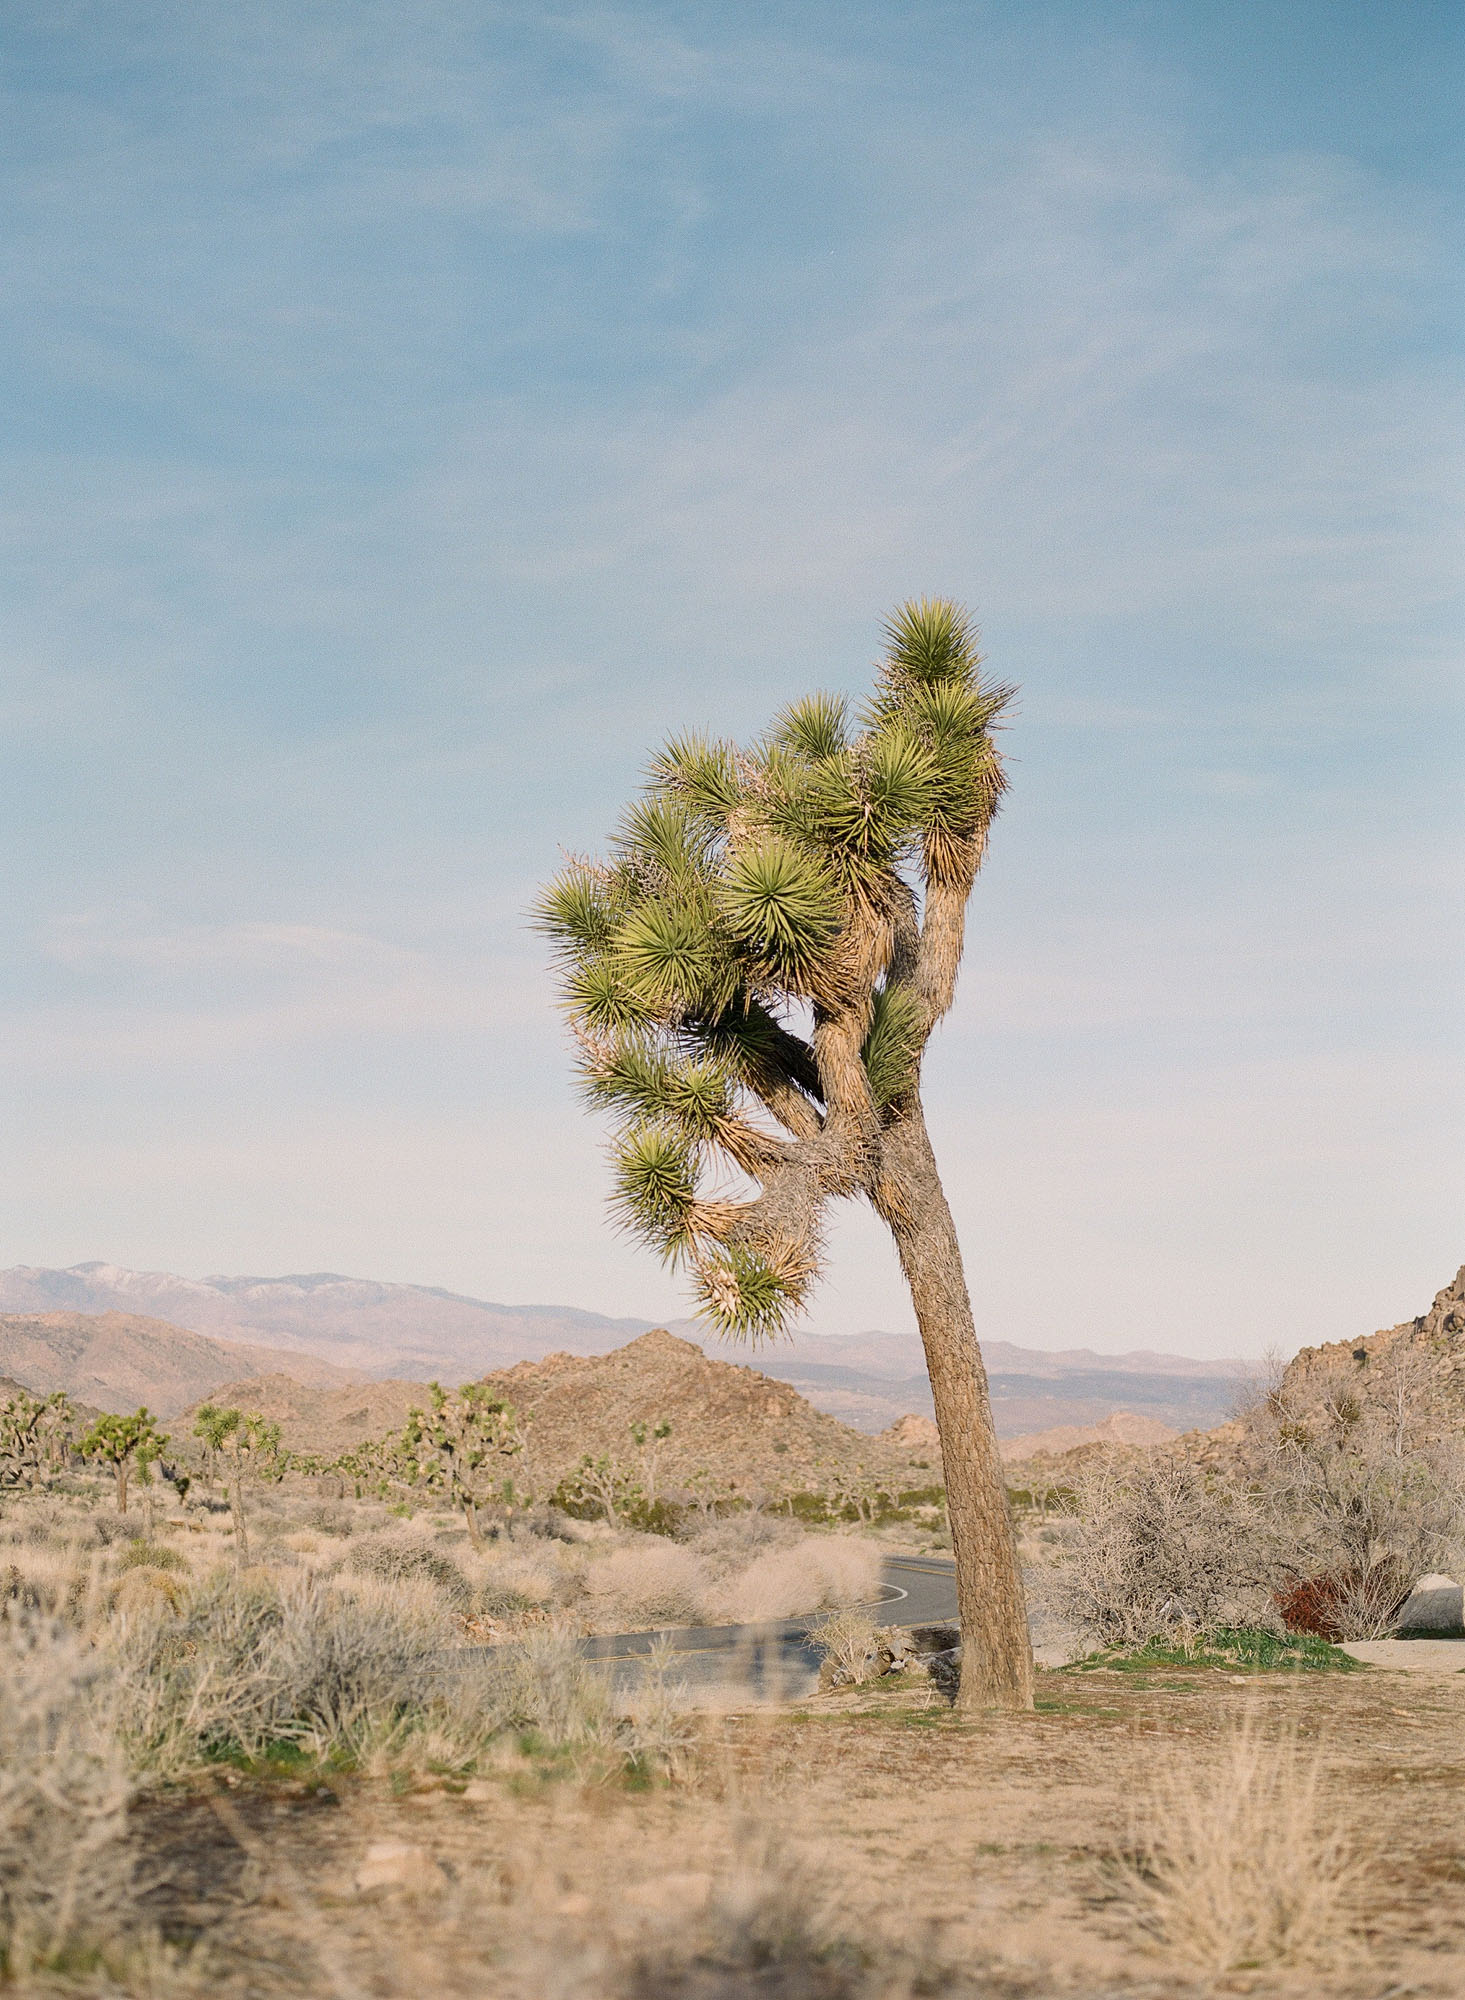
<point x="1247" y="1648"/>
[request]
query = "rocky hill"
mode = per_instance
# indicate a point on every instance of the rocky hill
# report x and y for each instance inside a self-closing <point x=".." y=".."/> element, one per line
<point x="740" y="1426"/>
<point x="1124" y="1427"/>
<point x="1430" y="1348"/>
<point x="325" y="1420"/>
<point x="116" y="1361"/>
<point x="1421" y="1360"/>
<point x="744" y="1427"/>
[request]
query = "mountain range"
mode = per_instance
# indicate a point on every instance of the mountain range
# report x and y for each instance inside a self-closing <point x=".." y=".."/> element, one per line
<point x="365" y="1328"/>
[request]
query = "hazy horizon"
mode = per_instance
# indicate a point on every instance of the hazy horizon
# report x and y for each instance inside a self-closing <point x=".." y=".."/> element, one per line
<point x="729" y="1347"/>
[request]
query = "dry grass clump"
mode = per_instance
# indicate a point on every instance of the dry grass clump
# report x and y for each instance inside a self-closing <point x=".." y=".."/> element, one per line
<point x="817" y="1573"/>
<point x="1237" y="1861"/>
<point x="397" y="1559"/>
<point x="251" y="1664"/>
<point x="65" y="1866"/>
<point x="649" y="1580"/>
<point x="848" y="1644"/>
<point x="768" y="1926"/>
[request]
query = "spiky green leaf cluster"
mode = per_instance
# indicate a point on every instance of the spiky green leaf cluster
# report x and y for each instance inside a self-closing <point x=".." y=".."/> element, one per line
<point x="892" y="1049"/>
<point x="782" y="908"/>
<point x="656" y="1184"/>
<point x="735" y="886"/>
<point x="746" y="1294"/>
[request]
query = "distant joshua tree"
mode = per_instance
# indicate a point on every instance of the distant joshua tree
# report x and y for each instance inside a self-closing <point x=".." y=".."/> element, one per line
<point x="123" y="1443"/>
<point x="245" y="1443"/>
<point x="752" y="979"/>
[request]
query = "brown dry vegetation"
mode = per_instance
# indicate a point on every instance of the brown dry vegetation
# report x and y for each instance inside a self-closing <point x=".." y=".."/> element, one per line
<point x="871" y="1844"/>
<point x="1177" y="1830"/>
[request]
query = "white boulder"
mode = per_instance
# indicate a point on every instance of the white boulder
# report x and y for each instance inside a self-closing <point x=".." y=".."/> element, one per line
<point x="1435" y="1606"/>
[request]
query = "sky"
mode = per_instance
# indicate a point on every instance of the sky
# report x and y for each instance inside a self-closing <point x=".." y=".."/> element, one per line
<point x="413" y="412"/>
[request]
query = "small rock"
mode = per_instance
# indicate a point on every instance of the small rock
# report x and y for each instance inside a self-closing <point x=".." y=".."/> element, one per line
<point x="945" y="1669"/>
<point x="671" y="1894"/>
<point x="397" y="1864"/>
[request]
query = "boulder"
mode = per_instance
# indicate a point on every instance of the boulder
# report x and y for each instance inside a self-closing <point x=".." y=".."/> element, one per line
<point x="1434" y="1609"/>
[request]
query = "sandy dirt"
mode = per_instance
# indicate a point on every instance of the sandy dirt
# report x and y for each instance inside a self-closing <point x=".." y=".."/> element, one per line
<point x="986" y="1847"/>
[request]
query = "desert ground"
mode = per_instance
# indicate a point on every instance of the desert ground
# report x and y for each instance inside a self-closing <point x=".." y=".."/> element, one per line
<point x="868" y="1843"/>
<point x="1161" y="1824"/>
<point x="277" y="1725"/>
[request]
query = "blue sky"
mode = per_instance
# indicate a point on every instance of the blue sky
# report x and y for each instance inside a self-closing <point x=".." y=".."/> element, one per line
<point x="412" y="412"/>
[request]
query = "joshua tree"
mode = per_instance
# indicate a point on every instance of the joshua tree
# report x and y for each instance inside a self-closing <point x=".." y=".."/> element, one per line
<point x="245" y="1443"/>
<point x="35" y="1432"/>
<point x="648" y="1440"/>
<point x="462" y="1447"/>
<point x="752" y="979"/>
<point x="123" y="1442"/>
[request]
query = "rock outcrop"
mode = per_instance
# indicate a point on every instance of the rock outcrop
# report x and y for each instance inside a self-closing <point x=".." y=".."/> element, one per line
<point x="1425" y="1354"/>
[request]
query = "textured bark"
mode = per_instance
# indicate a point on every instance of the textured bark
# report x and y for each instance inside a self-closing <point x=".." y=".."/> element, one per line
<point x="996" y="1656"/>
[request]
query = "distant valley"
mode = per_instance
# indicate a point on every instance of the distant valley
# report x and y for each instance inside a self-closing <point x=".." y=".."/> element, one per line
<point x="364" y="1328"/>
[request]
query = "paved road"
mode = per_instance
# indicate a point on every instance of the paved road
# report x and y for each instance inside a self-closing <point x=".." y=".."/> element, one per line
<point x="775" y="1662"/>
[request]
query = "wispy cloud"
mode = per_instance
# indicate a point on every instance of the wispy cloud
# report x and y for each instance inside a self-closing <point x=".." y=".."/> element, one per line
<point x="417" y="410"/>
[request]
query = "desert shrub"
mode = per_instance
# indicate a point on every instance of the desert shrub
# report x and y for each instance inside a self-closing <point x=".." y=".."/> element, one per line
<point x="61" y="1581"/>
<point x="151" y="1555"/>
<point x="1364" y="1522"/>
<point x="544" y="1686"/>
<point x="1237" y="1861"/>
<point x="512" y="1580"/>
<point x="1366" y="1485"/>
<point x="248" y="1665"/>
<point x="653" y="1517"/>
<point x="47" y="1523"/>
<point x="329" y="1517"/>
<point x="646" y="1580"/>
<point x="142" y="1590"/>
<point x="768" y="1928"/>
<point x="656" y="1731"/>
<point x="65" y="1868"/>
<point x="1360" y="1603"/>
<point x="400" y="1561"/>
<point x="338" y="1668"/>
<point x="109" y="1528"/>
<point x="728" y="1541"/>
<point x="1158" y="1549"/>
<point x="848" y="1644"/>
<point x="815" y="1573"/>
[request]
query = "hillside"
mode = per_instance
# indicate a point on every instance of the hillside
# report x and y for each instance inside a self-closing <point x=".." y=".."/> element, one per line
<point x="118" y="1360"/>
<point x="731" y="1421"/>
<point x="1422" y="1359"/>
<point x="1124" y="1427"/>
<point x="867" y="1380"/>
<point x="1430" y="1348"/>
<point x="362" y="1325"/>
<point x="738" y="1423"/>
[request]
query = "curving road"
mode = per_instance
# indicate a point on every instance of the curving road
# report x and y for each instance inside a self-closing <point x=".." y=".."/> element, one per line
<point x="775" y="1662"/>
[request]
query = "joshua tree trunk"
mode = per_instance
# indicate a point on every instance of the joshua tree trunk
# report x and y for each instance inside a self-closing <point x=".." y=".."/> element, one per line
<point x="121" y="1470"/>
<point x="997" y="1660"/>
<point x="241" y="1533"/>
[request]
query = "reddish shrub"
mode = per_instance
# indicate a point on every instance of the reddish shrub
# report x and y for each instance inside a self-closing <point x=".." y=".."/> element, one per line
<point x="1344" y="1604"/>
